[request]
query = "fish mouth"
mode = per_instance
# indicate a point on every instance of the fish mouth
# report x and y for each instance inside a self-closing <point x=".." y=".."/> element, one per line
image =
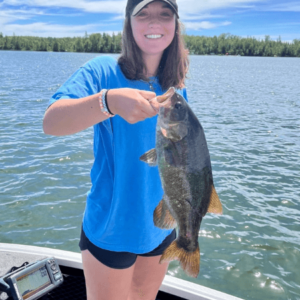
<point x="165" y="104"/>
<point x="163" y="101"/>
<point x="168" y="94"/>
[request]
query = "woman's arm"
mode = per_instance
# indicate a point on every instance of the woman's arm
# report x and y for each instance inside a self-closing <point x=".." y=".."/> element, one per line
<point x="69" y="116"/>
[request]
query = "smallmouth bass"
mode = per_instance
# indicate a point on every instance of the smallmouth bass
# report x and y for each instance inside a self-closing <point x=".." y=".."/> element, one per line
<point x="183" y="160"/>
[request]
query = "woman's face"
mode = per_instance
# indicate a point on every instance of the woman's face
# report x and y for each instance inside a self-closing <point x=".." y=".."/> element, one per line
<point x="153" y="28"/>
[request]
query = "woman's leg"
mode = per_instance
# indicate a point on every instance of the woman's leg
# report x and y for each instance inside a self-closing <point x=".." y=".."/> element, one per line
<point x="148" y="275"/>
<point x="103" y="282"/>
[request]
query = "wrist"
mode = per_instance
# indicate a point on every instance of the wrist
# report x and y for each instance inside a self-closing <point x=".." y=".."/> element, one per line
<point x="103" y="103"/>
<point x="106" y="102"/>
<point x="110" y="101"/>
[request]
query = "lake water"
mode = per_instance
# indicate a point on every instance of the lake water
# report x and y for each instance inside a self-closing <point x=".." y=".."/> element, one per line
<point x="250" y="110"/>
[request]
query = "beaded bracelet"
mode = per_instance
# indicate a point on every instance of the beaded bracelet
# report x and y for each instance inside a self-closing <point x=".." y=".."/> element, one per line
<point x="103" y="103"/>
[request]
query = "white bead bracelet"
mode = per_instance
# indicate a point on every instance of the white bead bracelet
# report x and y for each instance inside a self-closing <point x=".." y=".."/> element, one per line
<point x="103" y="103"/>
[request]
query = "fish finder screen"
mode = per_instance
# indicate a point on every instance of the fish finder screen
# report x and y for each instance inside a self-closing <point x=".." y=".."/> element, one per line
<point x="32" y="283"/>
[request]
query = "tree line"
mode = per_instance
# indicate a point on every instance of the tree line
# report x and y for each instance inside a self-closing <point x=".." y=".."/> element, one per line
<point x="97" y="43"/>
<point x="235" y="45"/>
<point x="199" y="45"/>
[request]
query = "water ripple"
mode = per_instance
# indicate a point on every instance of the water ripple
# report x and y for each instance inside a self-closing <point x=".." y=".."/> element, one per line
<point x="250" y="111"/>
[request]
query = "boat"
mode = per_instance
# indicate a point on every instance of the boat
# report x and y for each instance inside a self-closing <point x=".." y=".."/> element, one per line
<point x="73" y="283"/>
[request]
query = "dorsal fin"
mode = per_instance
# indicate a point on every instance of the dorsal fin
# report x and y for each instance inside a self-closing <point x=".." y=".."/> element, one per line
<point x="215" y="205"/>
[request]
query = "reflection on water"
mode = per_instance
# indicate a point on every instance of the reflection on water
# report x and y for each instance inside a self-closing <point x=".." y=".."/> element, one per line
<point x="250" y="111"/>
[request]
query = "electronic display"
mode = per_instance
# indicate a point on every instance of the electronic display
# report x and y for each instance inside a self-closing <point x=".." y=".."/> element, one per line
<point x="33" y="282"/>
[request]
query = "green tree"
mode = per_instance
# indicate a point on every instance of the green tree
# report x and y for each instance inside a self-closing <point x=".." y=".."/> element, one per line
<point x="79" y="45"/>
<point x="7" y="43"/>
<point x="62" y="46"/>
<point x="214" y="47"/>
<point x="28" y="45"/>
<point x="43" y="46"/>
<point x="17" y="44"/>
<point x="296" y="46"/>
<point x="56" y="46"/>
<point x="95" y="38"/>
<point x="87" y="46"/>
<point x="224" y="43"/>
<point x="106" y="48"/>
<point x="118" y="42"/>
<point x="1" y="41"/>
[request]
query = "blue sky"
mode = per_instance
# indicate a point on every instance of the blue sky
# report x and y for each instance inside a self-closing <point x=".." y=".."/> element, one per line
<point x="69" y="18"/>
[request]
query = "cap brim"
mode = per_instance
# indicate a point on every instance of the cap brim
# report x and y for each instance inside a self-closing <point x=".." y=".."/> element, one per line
<point x="142" y="4"/>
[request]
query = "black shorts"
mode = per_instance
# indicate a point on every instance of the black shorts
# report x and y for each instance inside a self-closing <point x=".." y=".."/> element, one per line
<point x="121" y="260"/>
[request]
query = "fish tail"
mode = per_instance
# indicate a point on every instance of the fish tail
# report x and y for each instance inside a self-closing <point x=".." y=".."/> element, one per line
<point x="189" y="261"/>
<point x="162" y="217"/>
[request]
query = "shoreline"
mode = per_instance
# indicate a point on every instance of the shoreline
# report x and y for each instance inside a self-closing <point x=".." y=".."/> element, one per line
<point x="114" y="53"/>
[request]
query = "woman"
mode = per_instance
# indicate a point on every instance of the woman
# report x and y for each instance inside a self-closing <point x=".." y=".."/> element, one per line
<point x="120" y="245"/>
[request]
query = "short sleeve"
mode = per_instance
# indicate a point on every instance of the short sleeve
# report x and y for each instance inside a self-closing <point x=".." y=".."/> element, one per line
<point x="82" y="83"/>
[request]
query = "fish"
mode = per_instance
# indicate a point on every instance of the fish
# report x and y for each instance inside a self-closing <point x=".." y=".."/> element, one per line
<point x="182" y="156"/>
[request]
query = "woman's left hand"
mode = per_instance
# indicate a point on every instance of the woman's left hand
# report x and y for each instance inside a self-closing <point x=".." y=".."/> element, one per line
<point x="131" y="104"/>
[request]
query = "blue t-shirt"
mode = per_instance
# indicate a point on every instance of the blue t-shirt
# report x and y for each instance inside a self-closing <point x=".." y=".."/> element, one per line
<point x="125" y="191"/>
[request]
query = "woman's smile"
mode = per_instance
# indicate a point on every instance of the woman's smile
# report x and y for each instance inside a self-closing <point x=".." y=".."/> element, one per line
<point x="154" y="36"/>
<point x="153" y="28"/>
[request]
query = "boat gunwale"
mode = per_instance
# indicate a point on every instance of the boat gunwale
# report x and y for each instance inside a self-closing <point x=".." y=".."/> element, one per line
<point x="171" y="285"/>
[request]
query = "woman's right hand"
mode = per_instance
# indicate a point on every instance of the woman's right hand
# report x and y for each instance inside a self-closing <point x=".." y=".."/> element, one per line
<point x="131" y="104"/>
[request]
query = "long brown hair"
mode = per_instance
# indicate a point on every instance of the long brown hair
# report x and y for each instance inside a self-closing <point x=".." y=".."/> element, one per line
<point x="173" y="66"/>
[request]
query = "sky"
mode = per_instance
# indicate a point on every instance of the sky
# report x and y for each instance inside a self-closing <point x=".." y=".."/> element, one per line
<point x="69" y="18"/>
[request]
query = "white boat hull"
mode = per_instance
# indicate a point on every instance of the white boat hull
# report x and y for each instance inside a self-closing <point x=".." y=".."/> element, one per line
<point x="174" y="286"/>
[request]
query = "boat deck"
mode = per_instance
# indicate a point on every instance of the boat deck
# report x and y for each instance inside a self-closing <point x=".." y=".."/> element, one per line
<point x="74" y="284"/>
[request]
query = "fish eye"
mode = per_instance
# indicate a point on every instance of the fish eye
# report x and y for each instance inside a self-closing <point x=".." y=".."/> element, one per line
<point x="178" y="105"/>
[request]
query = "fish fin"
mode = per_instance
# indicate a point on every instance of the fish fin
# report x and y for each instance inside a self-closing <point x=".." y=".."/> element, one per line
<point x="162" y="217"/>
<point x="215" y="205"/>
<point x="150" y="157"/>
<point x="189" y="261"/>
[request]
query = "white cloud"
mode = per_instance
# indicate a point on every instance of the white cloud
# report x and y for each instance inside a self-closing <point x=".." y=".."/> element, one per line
<point x="190" y="9"/>
<point x="292" y="6"/>
<point x="192" y="17"/>
<point x="118" y="17"/>
<point x="204" y="25"/>
<point x="195" y="14"/>
<point x="51" y="30"/>
<point x="117" y="6"/>
<point x="8" y="16"/>
<point x="12" y="15"/>
<point x="187" y="7"/>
